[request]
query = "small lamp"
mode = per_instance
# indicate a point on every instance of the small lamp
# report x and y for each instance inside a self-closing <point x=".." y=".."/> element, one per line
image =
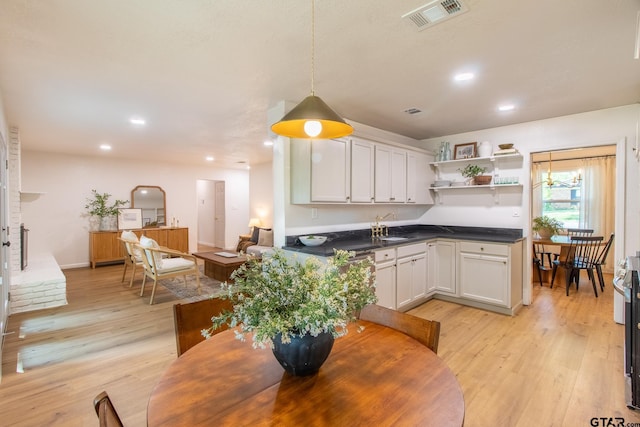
<point x="254" y="222"/>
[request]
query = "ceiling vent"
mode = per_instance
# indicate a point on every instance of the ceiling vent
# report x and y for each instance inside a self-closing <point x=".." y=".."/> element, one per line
<point x="435" y="12"/>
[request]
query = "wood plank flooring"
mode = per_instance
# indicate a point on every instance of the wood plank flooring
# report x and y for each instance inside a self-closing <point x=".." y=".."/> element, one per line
<point x="558" y="362"/>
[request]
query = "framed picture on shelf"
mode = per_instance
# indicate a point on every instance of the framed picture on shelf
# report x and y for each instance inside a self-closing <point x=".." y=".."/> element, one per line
<point x="465" y="151"/>
<point x="129" y="218"/>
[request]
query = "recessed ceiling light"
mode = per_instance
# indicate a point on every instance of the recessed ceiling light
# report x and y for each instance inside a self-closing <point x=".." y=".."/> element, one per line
<point x="105" y="147"/>
<point x="463" y="77"/>
<point x="506" y="107"/>
<point x="137" y="121"/>
<point x="209" y="158"/>
<point x="268" y="143"/>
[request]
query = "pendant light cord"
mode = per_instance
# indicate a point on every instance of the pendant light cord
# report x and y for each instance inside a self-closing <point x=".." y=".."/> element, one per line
<point x="313" y="43"/>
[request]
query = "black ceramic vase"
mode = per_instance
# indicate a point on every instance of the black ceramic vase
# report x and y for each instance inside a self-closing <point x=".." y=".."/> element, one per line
<point x="304" y="354"/>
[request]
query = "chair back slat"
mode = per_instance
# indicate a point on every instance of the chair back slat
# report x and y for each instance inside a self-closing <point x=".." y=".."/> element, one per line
<point x="425" y="331"/>
<point x="107" y="414"/>
<point x="579" y="232"/>
<point x="602" y="257"/>
<point x="583" y="251"/>
<point x="191" y="318"/>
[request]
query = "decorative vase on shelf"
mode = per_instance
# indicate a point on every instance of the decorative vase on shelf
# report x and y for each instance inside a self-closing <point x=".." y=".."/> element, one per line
<point x="106" y="223"/>
<point x="484" y="149"/>
<point x="447" y="151"/>
<point x="305" y="354"/>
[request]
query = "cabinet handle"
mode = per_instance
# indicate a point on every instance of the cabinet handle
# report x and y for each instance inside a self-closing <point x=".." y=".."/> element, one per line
<point x="392" y="198"/>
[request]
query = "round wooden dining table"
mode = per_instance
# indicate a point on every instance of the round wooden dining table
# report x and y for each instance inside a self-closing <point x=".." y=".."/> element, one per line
<point x="375" y="377"/>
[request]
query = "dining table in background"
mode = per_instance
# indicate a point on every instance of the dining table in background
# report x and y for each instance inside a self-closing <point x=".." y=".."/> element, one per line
<point x="375" y="377"/>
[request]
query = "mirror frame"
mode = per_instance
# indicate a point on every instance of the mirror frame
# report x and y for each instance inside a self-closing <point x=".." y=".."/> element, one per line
<point x="164" y="200"/>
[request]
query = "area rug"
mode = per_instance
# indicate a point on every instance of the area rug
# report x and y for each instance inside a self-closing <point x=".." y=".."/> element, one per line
<point x="209" y="287"/>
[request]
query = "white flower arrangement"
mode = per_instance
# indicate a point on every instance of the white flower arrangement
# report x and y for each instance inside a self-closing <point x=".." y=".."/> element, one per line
<point x="278" y="295"/>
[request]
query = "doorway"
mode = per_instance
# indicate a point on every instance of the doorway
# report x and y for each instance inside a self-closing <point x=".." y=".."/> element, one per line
<point x="590" y="194"/>
<point x="211" y="213"/>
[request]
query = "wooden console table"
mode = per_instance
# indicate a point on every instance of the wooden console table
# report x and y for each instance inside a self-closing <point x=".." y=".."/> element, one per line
<point x="104" y="246"/>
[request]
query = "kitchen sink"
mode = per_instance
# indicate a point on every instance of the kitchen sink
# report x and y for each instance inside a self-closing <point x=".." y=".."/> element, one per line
<point x="393" y="239"/>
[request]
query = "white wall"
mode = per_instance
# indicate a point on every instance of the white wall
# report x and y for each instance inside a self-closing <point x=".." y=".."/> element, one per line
<point x="58" y="221"/>
<point x="602" y="127"/>
<point x="261" y="190"/>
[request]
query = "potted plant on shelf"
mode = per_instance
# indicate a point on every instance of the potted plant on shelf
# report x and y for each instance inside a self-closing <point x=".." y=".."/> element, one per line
<point x="474" y="174"/>
<point x="288" y="304"/>
<point x="98" y="206"/>
<point x="546" y="227"/>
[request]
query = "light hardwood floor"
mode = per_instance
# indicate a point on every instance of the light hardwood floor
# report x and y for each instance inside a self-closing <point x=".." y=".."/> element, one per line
<point x="558" y="362"/>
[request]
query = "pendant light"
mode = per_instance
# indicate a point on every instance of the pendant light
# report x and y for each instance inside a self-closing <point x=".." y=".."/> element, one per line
<point x="575" y="181"/>
<point x="312" y="118"/>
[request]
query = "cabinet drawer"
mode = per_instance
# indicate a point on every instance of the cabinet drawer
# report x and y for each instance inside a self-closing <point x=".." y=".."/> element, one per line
<point x="385" y="255"/>
<point x="484" y="248"/>
<point x="409" y="250"/>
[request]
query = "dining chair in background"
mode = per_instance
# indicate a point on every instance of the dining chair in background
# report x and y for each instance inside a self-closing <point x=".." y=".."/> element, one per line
<point x="107" y="414"/>
<point x="427" y="332"/>
<point x="579" y="232"/>
<point x="191" y="318"/>
<point x="582" y="255"/>
<point x="543" y="260"/>
<point x="602" y="259"/>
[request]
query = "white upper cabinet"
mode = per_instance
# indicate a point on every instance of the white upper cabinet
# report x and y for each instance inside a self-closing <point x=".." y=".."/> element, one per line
<point x="390" y="174"/>
<point x="320" y="171"/>
<point x="419" y="177"/>
<point x="362" y="166"/>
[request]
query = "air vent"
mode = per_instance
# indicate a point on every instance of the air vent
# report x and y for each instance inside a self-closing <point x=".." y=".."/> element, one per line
<point x="435" y="12"/>
<point x="413" y="111"/>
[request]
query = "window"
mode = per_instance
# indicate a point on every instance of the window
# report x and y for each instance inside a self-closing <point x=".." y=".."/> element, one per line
<point x="562" y="200"/>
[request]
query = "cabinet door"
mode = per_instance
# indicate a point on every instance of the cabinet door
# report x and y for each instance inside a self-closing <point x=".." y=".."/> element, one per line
<point x="419" y="175"/>
<point x="330" y="170"/>
<point x="390" y="174"/>
<point x="442" y="267"/>
<point x="386" y="284"/>
<point x="419" y="276"/>
<point x="404" y="293"/>
<point x="484" y="278"/>
<point x="362" y="164"/>
<point x="178" y="239"/>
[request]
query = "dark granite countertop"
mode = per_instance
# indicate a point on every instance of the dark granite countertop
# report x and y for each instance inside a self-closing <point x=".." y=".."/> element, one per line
<point x="361" y="242"/>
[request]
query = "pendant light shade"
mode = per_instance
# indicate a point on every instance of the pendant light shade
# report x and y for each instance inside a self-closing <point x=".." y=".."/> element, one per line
<point x="314" y="119"/>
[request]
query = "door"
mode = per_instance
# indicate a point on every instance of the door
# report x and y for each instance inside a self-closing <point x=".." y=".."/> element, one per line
<point x="219" y="218"/>
<point x="362" y="155"/>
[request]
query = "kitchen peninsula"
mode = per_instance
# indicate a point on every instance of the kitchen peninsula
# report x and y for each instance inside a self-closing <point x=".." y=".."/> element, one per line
<point x="475" y="266"/>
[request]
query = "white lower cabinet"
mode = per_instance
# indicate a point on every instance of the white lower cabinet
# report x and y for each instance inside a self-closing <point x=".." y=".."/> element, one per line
<point x="411" y="274"/>
<point x="385" y="261"/>
<point x="441" y="268"/>
<point x="491" y="273"/>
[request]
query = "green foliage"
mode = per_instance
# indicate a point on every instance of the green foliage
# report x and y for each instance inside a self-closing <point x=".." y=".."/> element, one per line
<point x="280" y="295"/>
<point x="471" y="171"/>
<point x="97" y="205"/>
<point x="542" y="222"/>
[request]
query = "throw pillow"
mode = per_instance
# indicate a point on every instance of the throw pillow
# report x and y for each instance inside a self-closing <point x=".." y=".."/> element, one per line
<point x="131" y="237"/>
<point x="256" y="234"/>
<point x="265" y="238"/>
<point x="146" y="242"/>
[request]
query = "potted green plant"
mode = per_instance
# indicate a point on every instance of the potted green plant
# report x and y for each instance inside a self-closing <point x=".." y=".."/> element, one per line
<point x="286" y="303"/>
<point x="546" y="227"/>
<point x="474" y="173"/>
<point x="98" y="206"/>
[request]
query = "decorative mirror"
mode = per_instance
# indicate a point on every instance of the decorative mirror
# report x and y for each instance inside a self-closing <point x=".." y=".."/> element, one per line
<point x="151" y="199"/>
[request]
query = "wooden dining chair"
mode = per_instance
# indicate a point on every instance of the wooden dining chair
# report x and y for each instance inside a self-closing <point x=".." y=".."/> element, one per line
<point x="543" y="260"/>
<point x="191" y="318"/>
<point x="582" y="255"/>
<point x="602" y="259"/>
<point x="107" y="414"/>
<point x="132" y="258"/>
<point x="579" y="232"/>
<point x="422" y="330"/>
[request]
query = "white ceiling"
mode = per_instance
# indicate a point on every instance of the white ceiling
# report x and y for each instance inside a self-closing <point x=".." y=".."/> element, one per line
<point x="203" y="73"/>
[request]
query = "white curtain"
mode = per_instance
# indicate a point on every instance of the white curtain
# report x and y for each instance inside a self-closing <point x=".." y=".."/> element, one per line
<point x="598" y="198"/>
<point x="536" y="196"/>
